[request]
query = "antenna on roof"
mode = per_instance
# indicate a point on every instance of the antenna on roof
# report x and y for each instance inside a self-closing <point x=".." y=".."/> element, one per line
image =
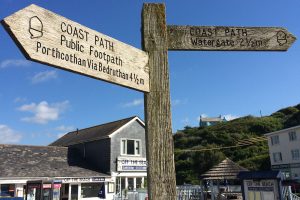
<point x="260" y="113"/>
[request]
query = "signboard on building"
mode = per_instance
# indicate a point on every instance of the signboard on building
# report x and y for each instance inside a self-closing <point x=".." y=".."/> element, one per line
<point x="48" y="38"/>
<point x="83" y="180"/>
<point x="131" y="164"/>
<point x="261" y="189"/>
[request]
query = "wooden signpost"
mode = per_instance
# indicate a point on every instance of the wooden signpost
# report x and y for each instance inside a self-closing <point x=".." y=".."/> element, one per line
<point x="222" y="38"/>
<point x="51" y="39"/>
<point x="48" y="38"/>
<point x="158" y="38"/>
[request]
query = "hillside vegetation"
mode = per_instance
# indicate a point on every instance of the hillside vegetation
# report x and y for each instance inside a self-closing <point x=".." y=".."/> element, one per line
<point x="191" y="164"/>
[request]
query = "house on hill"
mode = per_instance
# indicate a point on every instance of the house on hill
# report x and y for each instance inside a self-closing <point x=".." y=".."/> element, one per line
<point x="206" y="121"/>
<point x="284" y="150"/>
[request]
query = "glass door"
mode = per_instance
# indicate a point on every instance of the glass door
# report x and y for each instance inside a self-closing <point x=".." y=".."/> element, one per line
<point x="74" y="192"/>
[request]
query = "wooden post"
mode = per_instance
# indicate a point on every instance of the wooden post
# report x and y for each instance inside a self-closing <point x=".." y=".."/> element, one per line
<point x="159" y="138"/>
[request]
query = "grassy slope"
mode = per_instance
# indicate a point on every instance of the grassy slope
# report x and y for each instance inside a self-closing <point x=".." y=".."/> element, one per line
<point x="190" y="165"/>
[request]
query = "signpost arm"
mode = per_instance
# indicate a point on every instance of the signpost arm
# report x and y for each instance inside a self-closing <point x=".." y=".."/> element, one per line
<point x="159" y="138"/>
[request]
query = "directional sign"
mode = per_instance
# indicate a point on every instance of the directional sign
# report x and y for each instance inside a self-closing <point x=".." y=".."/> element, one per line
<point x="229" y="38"/>
<point x="48" y="38"/>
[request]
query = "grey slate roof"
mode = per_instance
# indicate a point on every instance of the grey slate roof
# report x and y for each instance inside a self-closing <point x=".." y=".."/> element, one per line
<point x="42" y="161"/>
<point x="90" y="134"/>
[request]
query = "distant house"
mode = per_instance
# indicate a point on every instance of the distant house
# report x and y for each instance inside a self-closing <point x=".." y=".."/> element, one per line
<point x="206" y="121"/>
<point x="284" y="149"/>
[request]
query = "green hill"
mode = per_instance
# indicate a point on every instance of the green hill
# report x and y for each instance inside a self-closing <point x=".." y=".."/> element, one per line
<point x="206" y="145"/>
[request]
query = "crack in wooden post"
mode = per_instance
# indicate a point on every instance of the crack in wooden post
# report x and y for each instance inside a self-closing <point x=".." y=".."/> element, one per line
<point x="159" y="138"/>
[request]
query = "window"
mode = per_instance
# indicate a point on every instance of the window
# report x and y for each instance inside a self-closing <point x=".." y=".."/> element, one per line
<point x="7" y="190"/>
<point x="295" y="154"/>
<point x="90" y="189"/>
<point x="274" y="139"/>
<point x="139" y="183"/>
<point x="130" y="147"/>
<point x="292" y="136"/>
<point x="111" y="187"/>
<point x="277" y="157"/>
<point x="130" y="184"/>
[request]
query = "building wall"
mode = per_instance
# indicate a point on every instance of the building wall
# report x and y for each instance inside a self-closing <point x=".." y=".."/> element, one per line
<point x="133" y="130"/>
<point x="285" y="147"/>
<point x="96" y="153"/>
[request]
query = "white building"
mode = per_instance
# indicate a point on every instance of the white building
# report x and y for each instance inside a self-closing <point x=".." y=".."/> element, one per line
<point x="284" y="149"/>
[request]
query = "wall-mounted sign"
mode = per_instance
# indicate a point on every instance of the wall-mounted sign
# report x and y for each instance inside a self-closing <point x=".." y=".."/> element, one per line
<point x="48" y="38"/>
<point x="261" y="189"/>
<point x="131" y="164"/>
<point x="83" y="180"/>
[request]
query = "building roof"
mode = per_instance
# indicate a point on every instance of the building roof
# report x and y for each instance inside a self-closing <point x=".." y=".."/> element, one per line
<point x="93" y="133"/>
<point x="260" y="175"/>
<point x="21" y="161"/>
<point x="283" y="130"/>
<point x="227" y="169"/>
<point x="211" y="119"/>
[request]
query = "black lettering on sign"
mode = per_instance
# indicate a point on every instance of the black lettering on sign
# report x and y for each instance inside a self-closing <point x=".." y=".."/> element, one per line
<point x="74" y="31"/>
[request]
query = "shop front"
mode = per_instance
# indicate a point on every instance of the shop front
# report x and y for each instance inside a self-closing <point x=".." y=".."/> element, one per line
<point x="68" y="189"/>
<point x="131" y="175"/>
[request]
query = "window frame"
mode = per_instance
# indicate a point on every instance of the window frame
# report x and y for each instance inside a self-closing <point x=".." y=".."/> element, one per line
<point x="123" y="149"/>
<point x="275" y="158"/>
<point x="295" y="152"/>
<point x="275" y="141"/>
<point x="292" y="136"/>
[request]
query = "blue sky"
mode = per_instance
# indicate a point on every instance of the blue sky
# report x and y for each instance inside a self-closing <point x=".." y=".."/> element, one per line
<point x="38" y="103"/>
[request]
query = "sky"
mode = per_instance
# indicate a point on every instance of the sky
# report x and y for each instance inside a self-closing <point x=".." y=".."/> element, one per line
<point x="39" y="103"/>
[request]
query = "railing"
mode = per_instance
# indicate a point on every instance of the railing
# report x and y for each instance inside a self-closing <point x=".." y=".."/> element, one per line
<point x="190" y="192"/>
<point x="294" y="197"/>
<point x="288" y="195"/>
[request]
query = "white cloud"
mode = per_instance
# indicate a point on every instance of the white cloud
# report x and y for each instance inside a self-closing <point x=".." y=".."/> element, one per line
<point x="20" y="99"/>
<point x="185" y="121"/>
<point x="44" y="112"/>
<point x="44" y="76"/>
<point x="63" y="130"/>
<point x="136" y="102"/>
<point x="202" y="115"/>
<point x="229" y="117"/>
<point x="14" y="63"/>
<point x="8" y="135"/>
<point x="176" y="102"/>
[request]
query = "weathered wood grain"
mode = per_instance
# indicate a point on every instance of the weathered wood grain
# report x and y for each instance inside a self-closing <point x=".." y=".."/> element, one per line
<point x="48" y="38"/>
<point x="222" y="38"/>
<point x="161" y="168"/>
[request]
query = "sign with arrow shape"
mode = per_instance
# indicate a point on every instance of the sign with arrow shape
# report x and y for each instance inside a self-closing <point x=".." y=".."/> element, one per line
<point x="48" y="38"/>
<point x="222" y="38"/>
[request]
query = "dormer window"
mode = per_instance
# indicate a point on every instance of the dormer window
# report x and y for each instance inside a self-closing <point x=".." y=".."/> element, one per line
<point x="130" y="147"/>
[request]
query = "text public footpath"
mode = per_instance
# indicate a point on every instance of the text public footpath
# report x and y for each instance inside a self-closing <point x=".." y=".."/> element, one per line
<point x="102" y="60"/>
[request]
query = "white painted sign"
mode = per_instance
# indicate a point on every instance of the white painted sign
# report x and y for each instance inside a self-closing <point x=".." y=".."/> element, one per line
<point x="48" y="38"/>
<point x="83" y="180"/>
<point x="131" y="164"/>
<point x="261" y="189"/>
